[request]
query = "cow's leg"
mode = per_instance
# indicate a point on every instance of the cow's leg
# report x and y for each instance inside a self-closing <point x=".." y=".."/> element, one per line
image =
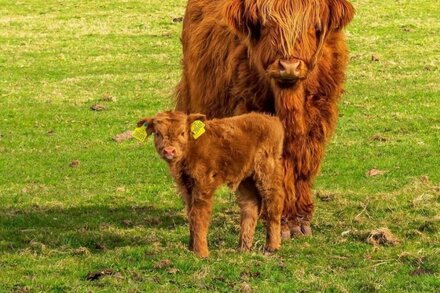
<point x="298" y="208"/>
<point x="303" y="213"/>
<point x="249" y="201"/>
<point x="182" y="96"/>
<point x="199" y="216"/>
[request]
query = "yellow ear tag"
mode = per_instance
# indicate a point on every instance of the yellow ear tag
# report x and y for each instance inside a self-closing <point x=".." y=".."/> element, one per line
<point x="197" y="128"/>
<point x="140" y="133"/>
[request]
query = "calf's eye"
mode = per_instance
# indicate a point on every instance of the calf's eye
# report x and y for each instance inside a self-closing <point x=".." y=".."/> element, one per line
<point x="183" y="133"/>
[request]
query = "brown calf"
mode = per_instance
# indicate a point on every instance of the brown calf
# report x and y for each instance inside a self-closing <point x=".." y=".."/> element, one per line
<point x="232" y="151"/>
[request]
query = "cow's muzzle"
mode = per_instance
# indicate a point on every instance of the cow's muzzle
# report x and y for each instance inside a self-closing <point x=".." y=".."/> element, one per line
<point x="287" y="72"/>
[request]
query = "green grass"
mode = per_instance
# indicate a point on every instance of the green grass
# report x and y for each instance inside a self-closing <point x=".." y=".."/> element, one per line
<point x="119" y="210"/>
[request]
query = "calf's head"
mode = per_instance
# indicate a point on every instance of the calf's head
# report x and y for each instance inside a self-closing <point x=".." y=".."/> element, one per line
<point x="171" y="133"/>
<point x="286" y="37"/>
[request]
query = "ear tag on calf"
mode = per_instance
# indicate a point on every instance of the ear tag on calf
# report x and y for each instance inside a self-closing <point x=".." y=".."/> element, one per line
<point x="197" y="129"/>
<point x="140" y="133"/>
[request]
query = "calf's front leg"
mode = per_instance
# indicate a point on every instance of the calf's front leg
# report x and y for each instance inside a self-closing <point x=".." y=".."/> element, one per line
<point x="199" y="215"/>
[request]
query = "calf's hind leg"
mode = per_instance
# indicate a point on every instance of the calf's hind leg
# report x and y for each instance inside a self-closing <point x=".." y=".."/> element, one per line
<point x="250" y="205"/>
<point x="269" y="183"/>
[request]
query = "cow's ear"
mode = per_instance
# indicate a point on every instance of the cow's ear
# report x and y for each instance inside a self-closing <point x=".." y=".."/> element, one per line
<point x="341" y="13"/>
<point x="196" y="116"/>
<point x="242" y="18"/>
<point x="149" y="123"/>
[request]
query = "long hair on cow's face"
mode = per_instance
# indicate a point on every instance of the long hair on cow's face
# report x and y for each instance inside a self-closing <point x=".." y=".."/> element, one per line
<point x="286" y="37"/>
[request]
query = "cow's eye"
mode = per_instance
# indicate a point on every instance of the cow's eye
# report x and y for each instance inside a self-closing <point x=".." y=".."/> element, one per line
<point x="255" y="31"/>
<point x="183" y="133"/>
<point x="158" y="135"/>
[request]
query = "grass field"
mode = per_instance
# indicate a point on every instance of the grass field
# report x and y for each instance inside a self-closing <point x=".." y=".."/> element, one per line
<point x="118" y="209"/>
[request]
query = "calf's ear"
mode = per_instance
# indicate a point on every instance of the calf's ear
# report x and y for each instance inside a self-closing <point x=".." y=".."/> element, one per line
<point x="149" y="123"/>
<point x="197" y="116"/>
<point x="341" y="14"/>
<point x="242" y="17"/>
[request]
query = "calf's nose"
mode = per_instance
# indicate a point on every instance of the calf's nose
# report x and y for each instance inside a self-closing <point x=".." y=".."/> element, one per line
<point x="169" y="151"/>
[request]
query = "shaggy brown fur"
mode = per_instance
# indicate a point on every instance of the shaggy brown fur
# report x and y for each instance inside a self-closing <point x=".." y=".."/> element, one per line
<point x="285" y="57"/>
<point x="232" y="151"/>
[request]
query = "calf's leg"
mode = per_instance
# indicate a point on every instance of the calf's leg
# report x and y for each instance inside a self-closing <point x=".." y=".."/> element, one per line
<point x="269" y="179"/>
<point x="250" y="205"/>
<point x="199" y="216"/>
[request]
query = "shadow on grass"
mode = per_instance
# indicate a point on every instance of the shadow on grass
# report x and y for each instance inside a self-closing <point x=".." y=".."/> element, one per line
<point x="95" y="227"/>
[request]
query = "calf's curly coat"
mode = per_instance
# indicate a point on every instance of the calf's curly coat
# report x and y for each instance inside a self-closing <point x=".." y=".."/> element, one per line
<point x="286" y="57"/>
<point x="232" y="151"/>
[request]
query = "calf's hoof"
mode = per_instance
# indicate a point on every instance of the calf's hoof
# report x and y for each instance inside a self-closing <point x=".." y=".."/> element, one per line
<point x="202" y="253"/>
<point x="270" y="250"/>
<point x="243" y="248"/>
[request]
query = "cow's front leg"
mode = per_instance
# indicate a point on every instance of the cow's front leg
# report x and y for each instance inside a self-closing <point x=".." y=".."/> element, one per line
<point x="298" y="211"/>
<point x="300" y="222"/>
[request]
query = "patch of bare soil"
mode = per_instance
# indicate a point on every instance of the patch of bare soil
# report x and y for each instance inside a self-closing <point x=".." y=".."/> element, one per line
<point x="382" y="236"/>
<point x="74" y="164"/>
<point x="122" y="136"/>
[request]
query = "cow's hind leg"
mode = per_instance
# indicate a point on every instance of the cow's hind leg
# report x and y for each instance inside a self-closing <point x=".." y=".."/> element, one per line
<point x="249" y="201"/>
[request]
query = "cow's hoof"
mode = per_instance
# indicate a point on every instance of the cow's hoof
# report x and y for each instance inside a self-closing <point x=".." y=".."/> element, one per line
<point x="306" y="229"/>
<point x="285" y="234"/>
<point x="295" y="231"/>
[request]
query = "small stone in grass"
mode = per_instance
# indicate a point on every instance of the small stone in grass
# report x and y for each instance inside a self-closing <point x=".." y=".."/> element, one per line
<point x="325" y="196"/>
<point x="375" y="172"/>
<point x="172" y="271"/>
<point x="120" y="189"/>
<point x="162" y="264"/>
<point x="97" y="107"/>
<point x="245" y="287"/>
<point x="93" y="276"/>
<point x="178" y="19"/>
<point x="100" y="246"/>
<point x="345" y="233"/>
<point x="81" y="251"/>
<point x="123" y="136"/>
<point x="430" y="68"/>
<point x="421" y="271"/>
<point x="74" y="164"/>
<point x="378" y="137"/>
<point x="127" y="223"/>
<point x="108" y="98"/>
<point x="375" y="58"/>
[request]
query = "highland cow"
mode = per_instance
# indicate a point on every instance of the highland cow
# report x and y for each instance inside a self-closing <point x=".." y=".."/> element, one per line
<point x="285" y="57"/>
<point x="224" y="151"/>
